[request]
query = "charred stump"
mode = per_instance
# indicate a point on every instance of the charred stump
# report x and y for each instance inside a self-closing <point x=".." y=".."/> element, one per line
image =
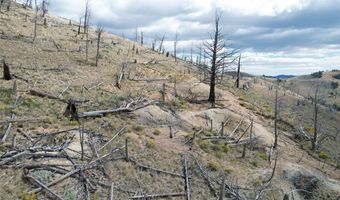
<point x="7" y="74"/>
<point x="71" y="111"/>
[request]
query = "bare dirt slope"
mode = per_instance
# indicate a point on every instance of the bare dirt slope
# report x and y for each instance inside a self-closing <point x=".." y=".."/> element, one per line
<point x="136" y="152"/>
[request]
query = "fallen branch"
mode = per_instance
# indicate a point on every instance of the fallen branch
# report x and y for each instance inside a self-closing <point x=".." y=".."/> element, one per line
<point x="154" y="169"/>
<point x="154" y="196"/>
<point x="149" y="79"/>
<point x="114" y="137"/>
<point x="44" y="186"/>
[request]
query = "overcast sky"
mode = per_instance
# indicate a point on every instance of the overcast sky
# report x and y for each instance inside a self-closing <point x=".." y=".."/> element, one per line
<point x="276" y="36"/>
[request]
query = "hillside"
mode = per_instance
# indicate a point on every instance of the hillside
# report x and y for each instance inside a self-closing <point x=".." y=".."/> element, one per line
<point x="151" y="136"/>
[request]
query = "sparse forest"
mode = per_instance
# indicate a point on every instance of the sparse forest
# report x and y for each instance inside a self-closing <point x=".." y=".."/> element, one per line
<point x="85" y="114"/>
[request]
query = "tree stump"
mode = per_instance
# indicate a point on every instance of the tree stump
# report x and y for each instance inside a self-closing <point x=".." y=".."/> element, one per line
<point x="7" y="74"/>
<point x="71" y="111"/>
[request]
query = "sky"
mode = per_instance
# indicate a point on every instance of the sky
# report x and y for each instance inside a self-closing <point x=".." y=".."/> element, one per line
<point x="275" y="36"/>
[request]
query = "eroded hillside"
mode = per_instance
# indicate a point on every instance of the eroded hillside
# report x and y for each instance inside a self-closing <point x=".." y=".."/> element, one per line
<point x="151" y="136"/>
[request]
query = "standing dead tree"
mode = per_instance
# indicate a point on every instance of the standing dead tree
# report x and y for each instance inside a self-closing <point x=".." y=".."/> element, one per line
<point x="35" y="21"/>
<point x="215" y="50"/>
<point x="238" y="72"/>
<point x="175" y="46"/>
<point x="315" y="116"/>
<point x="275" y="118"/>
<point x="99" y="33"/>
<point x="7" y="75"/>
<point x="44" y="7"/>
<point x="86" y="16"/>
<point x="161" y="44"/>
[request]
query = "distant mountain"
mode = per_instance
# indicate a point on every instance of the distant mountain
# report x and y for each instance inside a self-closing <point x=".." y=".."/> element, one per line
<point x="242" y="74"/>
<point x="282" y="76"/>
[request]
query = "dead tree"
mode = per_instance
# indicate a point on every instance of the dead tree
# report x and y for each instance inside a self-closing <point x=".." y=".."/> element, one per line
<point x="44" y="7"/>
<point x="175" y="46"/>
<point x="7" y="75"/>
<point x="238" y="72"/>
<point x="215" y="52"/>
<point x="86" y="16"/>
<point x="86" y="27"/>
<point x="161" y="44"/>
<point x="141" y="38"/>
<point x="136" y="34"/>
<point x="275" y="118"/>
<point x="315" y="115"/>
<point x="99" y="32"/>
<point x="79" y="27"/>
<point x="35" y="21"/>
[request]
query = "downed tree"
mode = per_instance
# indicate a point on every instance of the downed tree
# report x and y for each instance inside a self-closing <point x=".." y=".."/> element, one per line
<point x="149" y="79"/>
<point x="49" y="96"/>
<point x="156" y="196"/>
<point x="130" y="107"/>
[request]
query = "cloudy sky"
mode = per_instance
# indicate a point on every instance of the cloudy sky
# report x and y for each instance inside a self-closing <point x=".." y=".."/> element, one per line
<point x="276" y="36"/>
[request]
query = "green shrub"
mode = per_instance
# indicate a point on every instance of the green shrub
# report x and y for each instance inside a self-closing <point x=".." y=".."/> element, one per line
<point x="156" y="132"/>
<point x="228" y="170"/>
<point x="262" y="155"/>
<point x="336" y="76"/>
<point x="137" y="127"/>
<point x="214" y="165"/>
<point x="334" y="85"/>
<point x="205" y="145"/>
<point x="26" y="196"/>
<point x="323" y="155"/>
<point x="317" y="74"/>
<point x="255" y="163"/>
<point x="151" y="144"/>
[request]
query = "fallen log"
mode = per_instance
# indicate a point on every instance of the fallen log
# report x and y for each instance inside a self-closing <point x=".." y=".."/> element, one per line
<point x="32" y="120"/>
<point x="154" y="169"/>
<point x="154" y="196"/>
<point x="114" y="137"/>
<point x="49" y="96"/>
<point x="43" y="186"/>
<point x="149" y="79"/>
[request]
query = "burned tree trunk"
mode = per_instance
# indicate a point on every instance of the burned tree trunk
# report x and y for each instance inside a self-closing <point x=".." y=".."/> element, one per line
<point x="7" y="74"/>
<point x="99" y="31"/>
<point x="238" y="72"/>
<point x="71" y="111"/>
<point x="315" y="137"/>
<point x="275" y="120"/>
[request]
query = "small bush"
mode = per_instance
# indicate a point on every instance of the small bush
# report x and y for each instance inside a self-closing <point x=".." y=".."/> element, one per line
<point x="255" y="163"/>
<point x="336" y="76"/>
<point x="262" y="155"/>
<point x="26" y="196"/>
<point x="317" y="74"/>
<point x="205" y="145"/>
<point x="156" y="132"/>
<point x="228" y="170"/>
<point x="334" y="85"/>
<point x="151" y="144"/>
<point x="137" y="127"/>
<point x="214" y="165"/>
<point x="323" y="155"/>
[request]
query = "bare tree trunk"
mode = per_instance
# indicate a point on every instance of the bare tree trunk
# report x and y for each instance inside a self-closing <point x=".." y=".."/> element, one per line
<point x="35" y="22"/>
<point x="99" y="31"/>
<point x="142" y="38"/>
<point x="238" y="72"/>
<point x="175" y="46"/>
<point x="314" y="140"/>
<point x="275" y="120"/>
<point x="7" y="75"/>
<point x="161" y="44"/>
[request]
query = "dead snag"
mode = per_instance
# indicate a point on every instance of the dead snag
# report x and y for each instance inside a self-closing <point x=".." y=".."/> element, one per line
<point x="7" y="74"/>
<point x="186" y="178"/>
<point x="71" y="111"/>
